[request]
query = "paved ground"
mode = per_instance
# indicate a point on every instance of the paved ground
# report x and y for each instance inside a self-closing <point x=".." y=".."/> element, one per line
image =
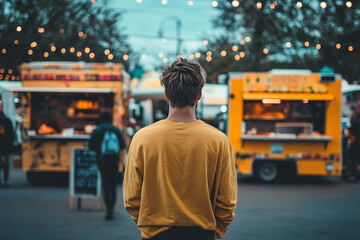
<point x="305" y="208"/>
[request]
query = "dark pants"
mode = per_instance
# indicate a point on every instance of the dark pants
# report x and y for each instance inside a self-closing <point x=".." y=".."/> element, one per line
<point x="354" y="161"/>
<point x="185" y="233"/>
<point x="354" y="167"/>
<point x="109" y="167"/>
<point x="4" y="165"/>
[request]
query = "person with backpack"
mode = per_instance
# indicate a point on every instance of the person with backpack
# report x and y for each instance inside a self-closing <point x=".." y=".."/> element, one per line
<point x="7" y="137"/>
<point x="108" y="142"/>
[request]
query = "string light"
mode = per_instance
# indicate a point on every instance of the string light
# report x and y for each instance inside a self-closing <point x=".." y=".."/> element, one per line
<point x="13" y="78"/>
<point x="72" y="49"/>
<point x="2" y="70"/>
<point x="33" y="44"/>
<point x="63" y="50"/>
<point x="61" y="30"/>
<point x="223" y="53"/>
<point x="16" y="42"/>
<point x="265" y="51"/>
<point x="338" y="46"/>
<point x="85" y="36"/>
<point x="299" y="4"/>
<point x="91" y="55"/>
<point x="318" y="46"/>
<point x="235" y="48"/>
<point x="272" y="6"/>
<point x="349" y="4"/>
<point x="237" y="57"/>
<point x="107" y="51"/>
<point x="242" y="54"/>
<point x="351" y="48"/>
<point x="235" y="3"/>
<point x="214" y="3"/>
<point x="165" y="60"/>
<point x="259" y="5"/>
<point x="110" y="57"/>
<point x="30" y="52"/>
<point x="3" y="50"/>
<point x="164" y="2"/>
<point x="242" y="42"/>
<point x="190" y="3"/>
<point x="1" y="77"/>
<point x="306" y="44"/>
<point x="46" y="54"/>
<point x="247" y="39"/>
<point x="209" y="53"/>
<point x="197" y="55"/>
<point x="208" y="58"/>
<point x="205" y="42"/>
<point x="323" y="5"/>
<point x="87" y="50"/>
<point x="125" y="57"/>
<point x="288" y="44"/>
<point x="41" y="30"/>
<point x="161" y="55"/>
<point x="191" y="56"/>
<point x="93" y="1"/>
<point x="53" y="48"/>
<point x="10" y="71"/>
<point x="81" y="34"/>
<point x="78" y="54"/>
<point x="139" y="1"/>
<point x="18" y="28"/>
<point x="143" y="56"/>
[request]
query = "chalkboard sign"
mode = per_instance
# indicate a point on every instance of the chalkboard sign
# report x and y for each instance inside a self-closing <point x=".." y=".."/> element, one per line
<point x="85" y="178"/>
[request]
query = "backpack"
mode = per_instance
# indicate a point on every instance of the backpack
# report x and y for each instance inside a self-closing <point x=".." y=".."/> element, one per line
<point x="110" y="144"/>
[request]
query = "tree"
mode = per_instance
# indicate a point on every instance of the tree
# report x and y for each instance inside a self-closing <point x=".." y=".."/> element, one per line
<point x="59" y="30"/>
<point x="288" y="34"/>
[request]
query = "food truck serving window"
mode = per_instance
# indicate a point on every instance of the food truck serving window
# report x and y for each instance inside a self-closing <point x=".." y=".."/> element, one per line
<point x="264" y="117"/>
<point x="68" y="110"/>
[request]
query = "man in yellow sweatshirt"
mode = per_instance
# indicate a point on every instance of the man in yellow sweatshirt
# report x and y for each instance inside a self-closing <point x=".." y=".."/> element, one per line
<point x="180" y="179"/>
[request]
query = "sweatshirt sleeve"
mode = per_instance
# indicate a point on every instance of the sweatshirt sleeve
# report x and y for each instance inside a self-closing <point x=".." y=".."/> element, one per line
<point x="132" y="185"/>
<point x="227" y="194"/>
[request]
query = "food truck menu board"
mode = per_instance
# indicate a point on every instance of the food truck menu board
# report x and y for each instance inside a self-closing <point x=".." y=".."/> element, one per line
<point x="257" y="82"/>
<point x="85" y="177"/>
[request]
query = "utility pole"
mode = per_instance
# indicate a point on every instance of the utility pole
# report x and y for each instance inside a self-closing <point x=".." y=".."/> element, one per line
<point x="178" y="32"/>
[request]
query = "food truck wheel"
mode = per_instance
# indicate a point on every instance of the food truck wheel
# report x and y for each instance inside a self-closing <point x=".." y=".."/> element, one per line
<point x="267" y="171"/>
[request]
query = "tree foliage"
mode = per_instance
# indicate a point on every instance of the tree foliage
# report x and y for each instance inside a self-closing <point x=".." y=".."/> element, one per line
<point x="274" y="25"/>
<point x="67" y="23"/>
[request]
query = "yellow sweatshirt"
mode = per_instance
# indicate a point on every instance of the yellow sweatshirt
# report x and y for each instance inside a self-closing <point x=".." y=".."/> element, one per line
<point x="180" y="174"/>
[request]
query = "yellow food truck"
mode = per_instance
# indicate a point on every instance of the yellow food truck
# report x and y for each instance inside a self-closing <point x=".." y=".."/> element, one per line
<point x="285" y="122"/>
<point x="61" y="102"/>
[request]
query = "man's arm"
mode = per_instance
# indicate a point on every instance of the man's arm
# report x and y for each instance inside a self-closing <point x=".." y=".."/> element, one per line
<point x="132" y="184"/>
<point x="225" y="202"/>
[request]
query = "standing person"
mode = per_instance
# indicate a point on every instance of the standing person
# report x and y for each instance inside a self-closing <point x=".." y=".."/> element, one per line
<point x="354" y="151"/>
<point x="7" y="137"/>
<point x="107" y="141"/>
<point x="180" y="178"/>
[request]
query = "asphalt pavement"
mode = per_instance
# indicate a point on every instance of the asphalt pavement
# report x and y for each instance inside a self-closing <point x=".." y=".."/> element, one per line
<point x="300" y="208"/>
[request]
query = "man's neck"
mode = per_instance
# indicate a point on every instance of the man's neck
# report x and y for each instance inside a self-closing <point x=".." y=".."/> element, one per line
<point x="185" y="114"/>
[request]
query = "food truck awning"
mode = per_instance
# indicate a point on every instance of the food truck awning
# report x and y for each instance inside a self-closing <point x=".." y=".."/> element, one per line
<point x="62" y="90"/>
<point x="289" y="96"/>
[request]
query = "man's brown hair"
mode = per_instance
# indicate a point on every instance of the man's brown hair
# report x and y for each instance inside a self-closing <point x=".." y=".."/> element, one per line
<point x="183" y="81"/>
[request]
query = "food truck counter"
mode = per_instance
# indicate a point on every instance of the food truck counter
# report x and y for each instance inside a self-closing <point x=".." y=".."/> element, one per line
<point x="57" y="137"/>
<point x="286" y="137"/>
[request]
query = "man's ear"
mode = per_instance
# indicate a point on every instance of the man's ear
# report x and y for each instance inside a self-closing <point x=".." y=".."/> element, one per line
<point x="199" y="96"/>
<point x="166" y="97"/>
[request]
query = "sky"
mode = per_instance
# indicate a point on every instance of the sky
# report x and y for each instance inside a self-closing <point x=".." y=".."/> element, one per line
<point x="141" y="22"/>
